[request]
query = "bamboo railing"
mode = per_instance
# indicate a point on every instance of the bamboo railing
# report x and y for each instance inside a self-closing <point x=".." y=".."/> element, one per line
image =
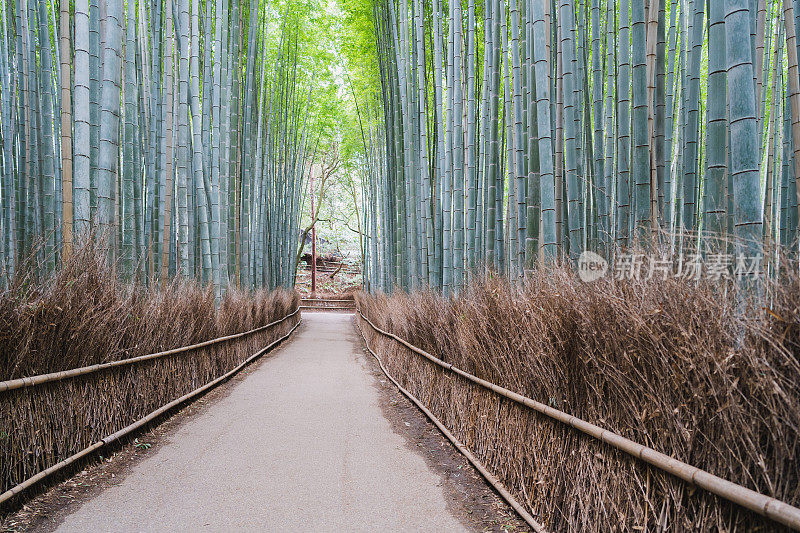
<point x="40" y="379"/>
<point x="761" y="504"/>
<point x="58" y="376"/>
<point x="488" y="476"/>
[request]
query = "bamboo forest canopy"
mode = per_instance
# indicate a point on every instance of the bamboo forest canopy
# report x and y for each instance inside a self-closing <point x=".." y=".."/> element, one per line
<point x="179" y="134"/>
<point x="516" y="132"/>
<point x="468" y="135"/>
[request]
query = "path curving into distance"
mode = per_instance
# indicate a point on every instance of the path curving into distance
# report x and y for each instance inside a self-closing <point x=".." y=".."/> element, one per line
<point x="301" y="444"/>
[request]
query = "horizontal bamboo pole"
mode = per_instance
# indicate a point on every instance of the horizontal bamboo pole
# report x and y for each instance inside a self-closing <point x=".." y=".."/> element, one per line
<point x="772" y="508"/>
<point x="324" y="300"/>
<point x="28" y="483"/>
<point x="490" y="478"/>
<point x="31" y="381"/>
<point x="328" y="307"/>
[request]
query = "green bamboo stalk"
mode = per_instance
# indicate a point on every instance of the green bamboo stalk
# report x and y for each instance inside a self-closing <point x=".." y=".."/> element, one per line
<point x="458" y="154"/>
<point x="471" y="149"/>
<point x="509" y="168"/>
<point x="482" y="207"/>
<point x="66" y="127"/>
<point x="46" y="129"/>
<point x="23" y="129"/>
<point x="438" y="75"/>
<point x="219" y="233"/>
<point x="794" y="86"/>
<point x="127" y="255"/>
<point x="167" y="181"/>
<point x="669" y="125"/>
<point x="201" y="177"/>
<point x="424" y="166"/>
<point x="761" y="22"/>
<point x="10" y="175"/>
<point x="690" y="145"/>
<point x="491" y="140"/>
<point x="744" y="155"/>
<point x="181" y="22"/>
<point x="108" y="148"/>
<point x="546" y="176"/>
<point x="223" y="119"/>
<point x="660" y="96"/>
<point x="623" y="127"/>
<point x="529" y="202"/>
<point x="641" y="135"/>
<point x="82" y="184"/>
<point x="95" y="74"/>
<point x="447" y="188"/>
<point x="770" y="229"/>
<point x="790" y="225"/>
<point x="714" y="220"/>
<point x="604" y="193"/>
<point x="234" y="69"/>
<point x="520" y="139"/>
<point x="597" y="112"/>
<point x="566" y="24"/>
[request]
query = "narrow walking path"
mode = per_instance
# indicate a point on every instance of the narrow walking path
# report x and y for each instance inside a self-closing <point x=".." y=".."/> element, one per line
<point x="301" y="444"/>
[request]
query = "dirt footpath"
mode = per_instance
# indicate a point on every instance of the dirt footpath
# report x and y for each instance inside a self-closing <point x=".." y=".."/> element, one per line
<point x="303" y="443"/>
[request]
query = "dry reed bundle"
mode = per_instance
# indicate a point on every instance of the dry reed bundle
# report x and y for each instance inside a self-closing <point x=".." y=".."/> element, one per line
<point x="667" y="363"/>
<point x="85" y="316"/>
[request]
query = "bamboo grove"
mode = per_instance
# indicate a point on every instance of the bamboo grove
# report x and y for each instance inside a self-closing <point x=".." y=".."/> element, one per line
<point x="518" y="132"/>
<point x="173" y="130"/>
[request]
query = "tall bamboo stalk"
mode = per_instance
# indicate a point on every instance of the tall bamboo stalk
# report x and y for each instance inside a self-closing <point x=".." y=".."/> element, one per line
<point x="66" y="128"/>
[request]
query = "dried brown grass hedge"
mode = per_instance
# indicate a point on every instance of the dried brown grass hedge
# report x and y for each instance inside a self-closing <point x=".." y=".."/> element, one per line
<point x="83" y="316"/>
<point x="674" y="365"/>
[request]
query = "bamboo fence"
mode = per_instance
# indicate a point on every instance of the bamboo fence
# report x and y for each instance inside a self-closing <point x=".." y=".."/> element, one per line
<point x="50" y="421"/>
<point x="761" y="504"/>
<point x="490" y="478"/>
